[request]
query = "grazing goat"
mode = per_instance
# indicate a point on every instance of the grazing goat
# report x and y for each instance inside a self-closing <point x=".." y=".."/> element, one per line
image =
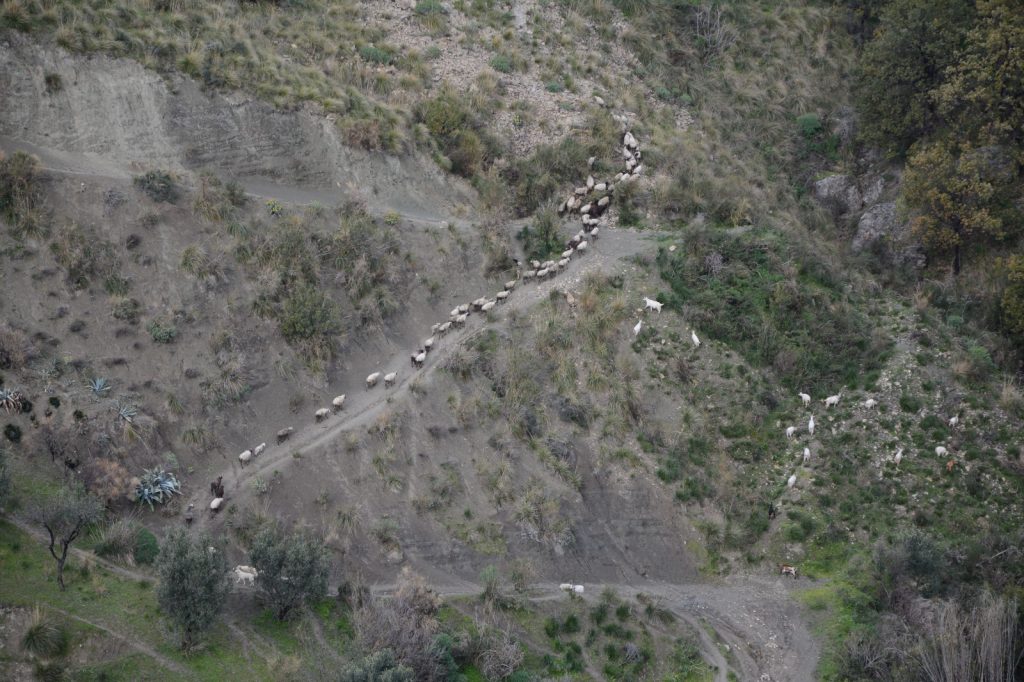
<point x="870" y="402"/>
<point x="244" y="575"/>
<point x="371" y="380"/>
<point x="577" y="590"/>
<point x="636" y="329"/>
<point x="832" y="400"/>
<point x="790" y="431"/>
<point x="807" y="455"/>
<point x="785" y="569"/>
<point x="941" y="451"/>
<point x="245" y="456"/>
<point x="791" y="482"/>
<point x="805" y="398"/>
<point x="949" y="466"/>
<point x="565" y="587"/>
<point x="651" y="304"/>
<point x="389" y="379"/>
<point x="216" y="503"/>
<point x="696" y="341"/>
<point x="810" y="425"/>
<point x="899" y="456"/>
<point x="285" y="434"/>
<point x="954" y="420"/>
<point x="338" y="402"/>
<point x="322" y="414"/>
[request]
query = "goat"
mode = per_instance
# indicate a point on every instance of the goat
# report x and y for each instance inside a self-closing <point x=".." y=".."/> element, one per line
<point x="284" y="434"/>
<point x="577" y="590"/>
<point x="954" y="420"/>
<point x="805" y="398"/>
<point x="899" y="456"/>
<point x="371" y="380"/>
<point x="389" y="379"/>
<point x="949" y="466"/>
<point x="785" y="569"/>
<point x="651" y="304"/>
<point x="810" y="425"/>
<point x="790" y="431"/>
<point x="245" y="456"/>
<point x="693" y="337"/>
<point x="870" y="402"/>
<point x="791" y="482"/>
<point x="941" y="451"/>
<point x="832" y="400"/>
<point x="322" y="414"/>
<point x="807" y="455"/>
<point x="338" y="402"/>
<point x="216" y="503"/>
<point x="243" y="576"/>
<point x="636" y="329"/>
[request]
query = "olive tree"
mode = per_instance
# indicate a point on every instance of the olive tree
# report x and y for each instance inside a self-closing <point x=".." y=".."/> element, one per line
<point x="194" y="583"/>
<point x="65" y="516"/>
<point x="291" y="567"/>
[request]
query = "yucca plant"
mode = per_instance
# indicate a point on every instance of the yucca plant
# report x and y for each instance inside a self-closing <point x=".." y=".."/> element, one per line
<point x="11" y="401"/>
<point x="44" y="639"/>
<point x="156" y="486"/>
<point x="126" y="411"/>
<point x="99" y="386"/>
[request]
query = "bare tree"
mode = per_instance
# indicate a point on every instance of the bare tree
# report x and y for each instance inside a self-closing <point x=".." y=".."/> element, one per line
<point x="982" y="643"/>
<point x="65" y="516"/>
<point x="714" y="35"/>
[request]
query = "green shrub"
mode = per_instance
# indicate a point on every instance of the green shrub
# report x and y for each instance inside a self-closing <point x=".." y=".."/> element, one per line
<point x="44" y="638"/>
<point x="428" y="7"/>
<point x="158" y="185"/>
<point x="554" y="86"/>
<point x="809" y="124"/>
<point x="162" y="332"/>
<point x="146" y="547"/>
<point x="502" y="63"/>
<point x="910" y="403"/>
<point x="376" y="55"/>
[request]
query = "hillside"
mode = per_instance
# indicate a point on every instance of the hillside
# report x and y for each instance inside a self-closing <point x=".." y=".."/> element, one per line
<point x="220" y="217"/>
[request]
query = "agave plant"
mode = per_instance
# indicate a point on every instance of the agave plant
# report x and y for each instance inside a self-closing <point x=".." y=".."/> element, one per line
<point x="11" y="401"/>
<point x="127" y="411"/>
<point x="99" y="386"/>
<point x="156" y="485"/>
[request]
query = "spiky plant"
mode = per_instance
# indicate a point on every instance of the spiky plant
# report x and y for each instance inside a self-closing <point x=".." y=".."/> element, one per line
<point x="127" y="412"/>
<point x="11" y="401"/>
<point x="43" y="638"/>
<point x="99" y="386"/>
<point x="156" y="486"/>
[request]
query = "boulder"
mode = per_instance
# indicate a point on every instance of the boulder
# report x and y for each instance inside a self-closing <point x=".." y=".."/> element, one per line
<point x="839" y="193"/>
<point x="881" y="230"/>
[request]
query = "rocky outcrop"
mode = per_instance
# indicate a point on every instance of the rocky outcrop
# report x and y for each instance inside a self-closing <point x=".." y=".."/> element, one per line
<point x="880" y="229"/>
<point x="839" y="193"/>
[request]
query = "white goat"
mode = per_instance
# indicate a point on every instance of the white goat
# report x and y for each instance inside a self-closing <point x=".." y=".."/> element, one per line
<point x="243" y="576"/>
<point x="636" y="329"/>
<point x="389" y="379"/>
<point x="810" y="425"/>
<point x="577" y="590"/>
<point x="870" y="402"/>
<point x="693" y="337"/>
<point x="216" y="503"/>
<point x="805" y="398"/>
<point x="245" y="456"/>
<point x="941" y="451"/>
<point x="338" y="402"/>
<point x="651" y="304"/>
<point x="791" y="482"/>
<point x="899" y="456"/>
<point x="322" y="414"/>
<point x="371" y="380"/>
<point x="790" y="431"/>
<point x="807" y="455"/>
<point x="832" y="400"/>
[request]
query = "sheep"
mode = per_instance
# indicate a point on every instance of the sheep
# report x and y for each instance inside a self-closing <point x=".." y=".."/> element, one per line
<point x="245" y="456"/>
<point x="338" y="402"/>
<point x="870" y="402"/>
<point x="412" y="357"/>
<point x="651" y="304"/>
<point x="807" y="456"/>
<point x="899" y="456"/>
<point x="371" y="380"/>
<point x="510" y="285"/>
<point x="582" y="247"/>
<point x="428" y="344"/>
<point x="535" y="264"/>
<point x="590" y="182"/>
<point x="322" y="414"/>
<point x="542" y="273"/>
<point x="434" y="327"/>
<point x="941" y="451"/>
<point x="389" y="379"/>
<point x="626" y="154"/>
<point x="216" y="504"/>
<point x="630" y="165"/>
<point x="629" y="141"/>
<point x="461" y="319"/>
<point x="478" y="303"/>
<point x="501" y="296"/>
<point x="486" y="307"/>
<point x="603" y="201"/>
<point x="443" y="329"/>
<point x="565" y="587"/>
<point x="638" y="169"/>
<point x="810" y="425"/>
<point x="419" y="359"/>
<point x="805" y="398"/>
<point x="454" y="312"/>
<point x="564" y="263"/>
<point x="585" y="209"/>
<point x="791" y="482"/>
<point x="562" y="207"/>
<point x="567" y="253"/>
<point x="580" y="191"/>
<point x="601" y="186"/>
<point x="593" y="233"/>
<point x="529" y="274"/>
<point x="258" y="450"/>
<point x="831" y="400"/>
<point x="790" y="431"/>
<point x="243" y="576"/>
<point x="284" y="434"/>
<point x="592" y="159"/>
<point x="577" y="590"/>
<point x="636" y="329"/>
<point x="693" y="337"/>
<point x="464" y="308"/>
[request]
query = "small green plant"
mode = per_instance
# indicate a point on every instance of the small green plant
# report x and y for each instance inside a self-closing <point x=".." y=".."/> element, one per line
<point x="159" y="186"/>
<point x="375" y="55"/>
<point x="53" y="83"/>
<point x="146" y="547"/>
<point x="392" y="218"/>
<point x="99" y="386"/>
<point x="274" y="207"/>
<point x="554" y="86"/>
<point x="502" y="63"/>
<point x="162" y="332"/>
<point x="127" y="310"/>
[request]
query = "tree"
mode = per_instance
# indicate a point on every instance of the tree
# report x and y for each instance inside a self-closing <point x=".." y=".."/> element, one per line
<point x="194" y="583"/>
<point x="903" y="63"/>
<point x="379" y="666"/>
<point x="65" y="516"/>
<point x="962" y="196"/>
<point x="1013" y="297"/>
<point x="983" y="96"/>
<point x="291" y="567"/>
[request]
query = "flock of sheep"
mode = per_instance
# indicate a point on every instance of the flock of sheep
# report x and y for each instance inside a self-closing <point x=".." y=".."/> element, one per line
<point x="870" y="403"/>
